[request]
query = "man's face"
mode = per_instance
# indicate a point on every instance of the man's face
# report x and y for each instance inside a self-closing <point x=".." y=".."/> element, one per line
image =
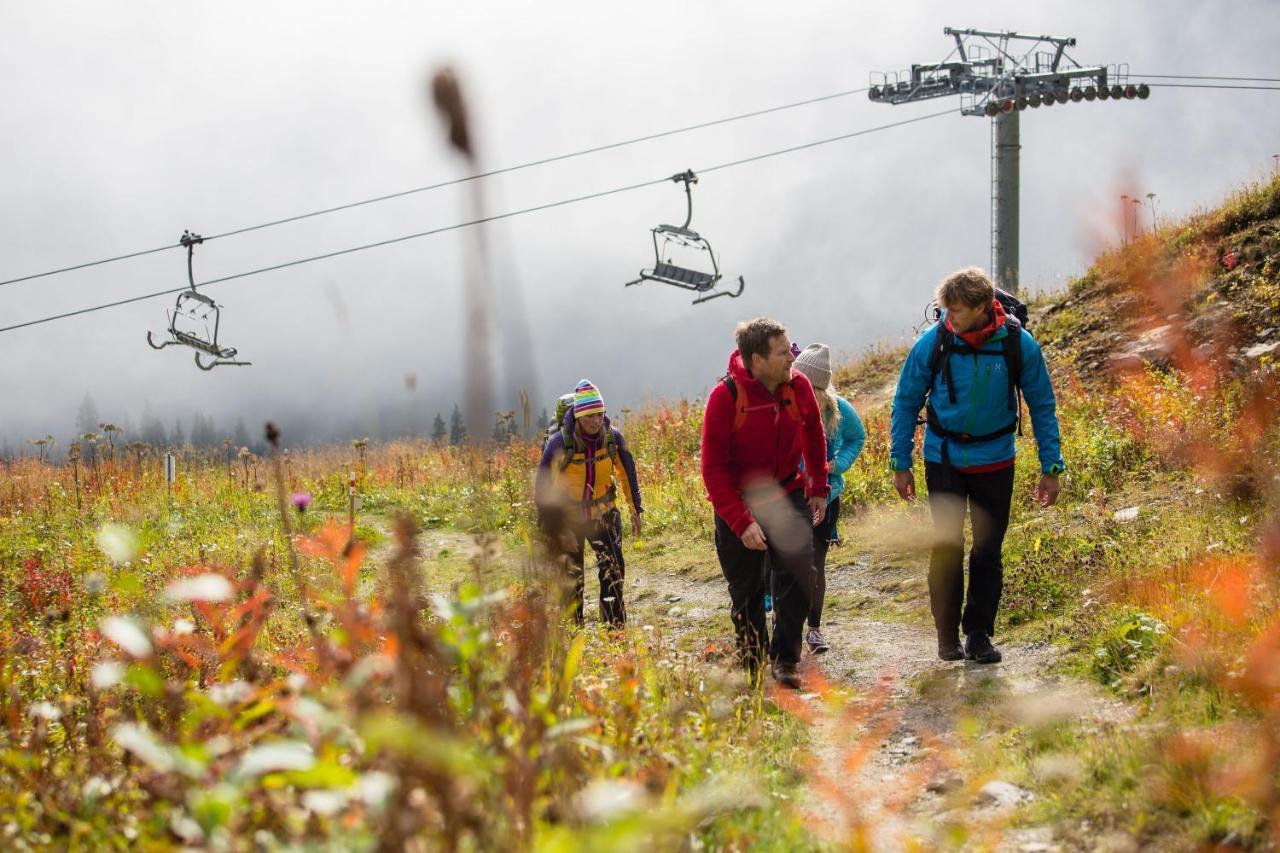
<point x="776" y="367"/>
<point x="591" y="424"/>
<point x="965" y="318"/>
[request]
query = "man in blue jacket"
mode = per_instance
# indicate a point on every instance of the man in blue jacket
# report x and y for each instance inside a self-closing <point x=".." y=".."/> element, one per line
<point x="962" y="373"/>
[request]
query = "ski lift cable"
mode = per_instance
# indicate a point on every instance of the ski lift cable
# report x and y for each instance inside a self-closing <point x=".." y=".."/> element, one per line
<point x="1205" y="77"/>
<point x="1212" y="86"/>
<point x="441" y="184"/>
<point x="466" y="224"/>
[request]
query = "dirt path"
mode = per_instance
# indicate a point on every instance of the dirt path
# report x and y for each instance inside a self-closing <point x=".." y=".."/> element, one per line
<point x="887" y="689"/>
<point x="887" y="742"/>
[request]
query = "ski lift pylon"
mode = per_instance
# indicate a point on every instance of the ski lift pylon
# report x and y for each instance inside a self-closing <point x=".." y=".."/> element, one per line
<point x="682" y="237"/>
<point x="194" y="310"/>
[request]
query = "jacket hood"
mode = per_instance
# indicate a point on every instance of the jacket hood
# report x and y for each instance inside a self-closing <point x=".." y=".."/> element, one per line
<point x="738" y="370"/>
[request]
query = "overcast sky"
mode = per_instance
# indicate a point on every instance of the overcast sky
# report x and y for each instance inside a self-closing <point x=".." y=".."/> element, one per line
<point x="124" y="124"/>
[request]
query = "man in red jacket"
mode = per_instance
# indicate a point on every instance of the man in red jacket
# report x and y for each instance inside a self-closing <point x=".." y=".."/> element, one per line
<point x="761" y="420"/>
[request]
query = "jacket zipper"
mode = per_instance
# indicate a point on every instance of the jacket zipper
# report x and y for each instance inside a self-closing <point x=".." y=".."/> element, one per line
<point x="980" y="381"/>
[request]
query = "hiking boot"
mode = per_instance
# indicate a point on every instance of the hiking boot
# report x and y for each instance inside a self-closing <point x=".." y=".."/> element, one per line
<point x="787" y="673"/>
<point x="978" y="648"/>
<point x="817" y="644"/>
<point x="949" y="648"/>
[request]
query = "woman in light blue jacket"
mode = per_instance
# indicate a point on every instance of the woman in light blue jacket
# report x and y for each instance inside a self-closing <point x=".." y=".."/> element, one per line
<point x="845" y="437"/>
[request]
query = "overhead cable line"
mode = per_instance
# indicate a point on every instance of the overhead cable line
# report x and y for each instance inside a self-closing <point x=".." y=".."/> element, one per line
<point x="509" y="214"/>
<point x="440" y="185"/>
<point x="1206" y="77"/>
<point x="1213" y="86"/>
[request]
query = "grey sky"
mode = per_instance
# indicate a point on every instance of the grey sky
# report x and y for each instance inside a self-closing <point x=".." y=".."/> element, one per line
<point x="126" y="123"/>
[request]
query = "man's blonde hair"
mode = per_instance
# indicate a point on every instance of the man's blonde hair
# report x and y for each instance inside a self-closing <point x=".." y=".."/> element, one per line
<point x="970" y="287"/>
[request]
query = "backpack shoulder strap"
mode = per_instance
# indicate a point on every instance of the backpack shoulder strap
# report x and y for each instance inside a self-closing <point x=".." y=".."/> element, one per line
<point x="739" y="407"/>
<point x="943" y="342"/>
<point x="1013" y="361"/>
<point x="566" y="436"/>
<point x="611" y="445"/>
<point x="788" y="401"/>
<point x="1013" y="352"/>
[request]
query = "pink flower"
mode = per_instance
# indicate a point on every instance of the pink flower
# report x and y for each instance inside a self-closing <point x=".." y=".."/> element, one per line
<point x="300" y="501"/>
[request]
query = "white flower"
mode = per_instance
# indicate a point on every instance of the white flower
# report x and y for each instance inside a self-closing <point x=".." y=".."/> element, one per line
<point x="605" y="799"/>
<point x="117" y="542"/>
<point x="97" y="788"/>
<point x="183" y="627"/>
<point x="324" y="803"/>
<point x="375" y="788"/>
<point x="126" y="634"/>
<point x="230" y="693"/>
<point x="144" y="745"/>
<point x="45" y="711"/>
<point x="106" y="674"/>
<point x="281" y="755"/>
<point x="206" y="587"/>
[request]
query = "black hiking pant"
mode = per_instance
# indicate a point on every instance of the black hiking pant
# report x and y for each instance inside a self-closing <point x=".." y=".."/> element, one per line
<point x="824" y="535"/>
<point x="987" y="497"/>
<point x="788" y="532"/>
<point x="604" y="535"/>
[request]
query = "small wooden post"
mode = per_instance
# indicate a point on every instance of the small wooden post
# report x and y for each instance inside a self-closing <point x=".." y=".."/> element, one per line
<point x="351" y="509"/>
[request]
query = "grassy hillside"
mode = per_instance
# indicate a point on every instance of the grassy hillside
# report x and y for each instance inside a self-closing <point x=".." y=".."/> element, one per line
<point x="215" y="664"/>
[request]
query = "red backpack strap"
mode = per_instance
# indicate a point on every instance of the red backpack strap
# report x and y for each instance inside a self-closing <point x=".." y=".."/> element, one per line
<point x="789" y="401"/>
<point x="739" y="406"/>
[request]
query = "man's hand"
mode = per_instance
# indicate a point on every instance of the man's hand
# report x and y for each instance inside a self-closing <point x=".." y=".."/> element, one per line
<point x="753" y="537"/>
<point x="1047" y="491"/>
<point x="905" y="483"/>
<point x="568" y="541"/>
<point x="635" y="524"/>
<point x="818" y="508"/>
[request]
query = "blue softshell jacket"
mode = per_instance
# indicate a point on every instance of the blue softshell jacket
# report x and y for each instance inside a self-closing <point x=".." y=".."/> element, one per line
<point x="982" y="405"/>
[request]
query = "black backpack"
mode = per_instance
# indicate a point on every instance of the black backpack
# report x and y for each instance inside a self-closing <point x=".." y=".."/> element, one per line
<point x="946" y="343"/>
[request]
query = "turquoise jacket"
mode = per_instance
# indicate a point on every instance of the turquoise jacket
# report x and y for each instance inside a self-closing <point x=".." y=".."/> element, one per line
<point x="843" y="447"/>
<point x="981" y="407"/>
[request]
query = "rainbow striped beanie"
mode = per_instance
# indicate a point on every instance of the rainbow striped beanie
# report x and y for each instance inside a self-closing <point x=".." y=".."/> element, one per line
<point x="587" y="400"/>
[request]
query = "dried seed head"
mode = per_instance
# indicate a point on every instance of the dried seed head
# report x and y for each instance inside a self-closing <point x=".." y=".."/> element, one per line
<point x="447" y="96"/>
<point x="273" y="434"/>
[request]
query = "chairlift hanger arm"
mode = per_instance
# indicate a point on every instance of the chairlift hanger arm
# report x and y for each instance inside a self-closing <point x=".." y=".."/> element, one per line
<point x="190" y="239"/>
<point x="689" y="178"/>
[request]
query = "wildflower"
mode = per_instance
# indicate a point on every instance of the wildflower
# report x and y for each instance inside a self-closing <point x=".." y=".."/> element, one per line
<point x="206" y="587"/>
<point x="278" y="755"/>
<point x="300" y="501"/>
<point x="118" y="542"/>
<point x="106" y="674"/>
<point x="127" y="635"/>
<point x="45" y="711"/>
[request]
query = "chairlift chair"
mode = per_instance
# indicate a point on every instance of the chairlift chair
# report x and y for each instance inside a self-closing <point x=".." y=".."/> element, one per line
<point x="194" y="319"/>
<point x="671" y="239"/>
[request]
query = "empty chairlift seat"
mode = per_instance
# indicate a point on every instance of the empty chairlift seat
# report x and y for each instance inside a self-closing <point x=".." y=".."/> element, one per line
<point x="681" y="238"/>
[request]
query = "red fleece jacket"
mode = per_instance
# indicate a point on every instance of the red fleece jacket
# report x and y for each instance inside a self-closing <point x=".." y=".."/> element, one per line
<point x="766" y="449"/>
